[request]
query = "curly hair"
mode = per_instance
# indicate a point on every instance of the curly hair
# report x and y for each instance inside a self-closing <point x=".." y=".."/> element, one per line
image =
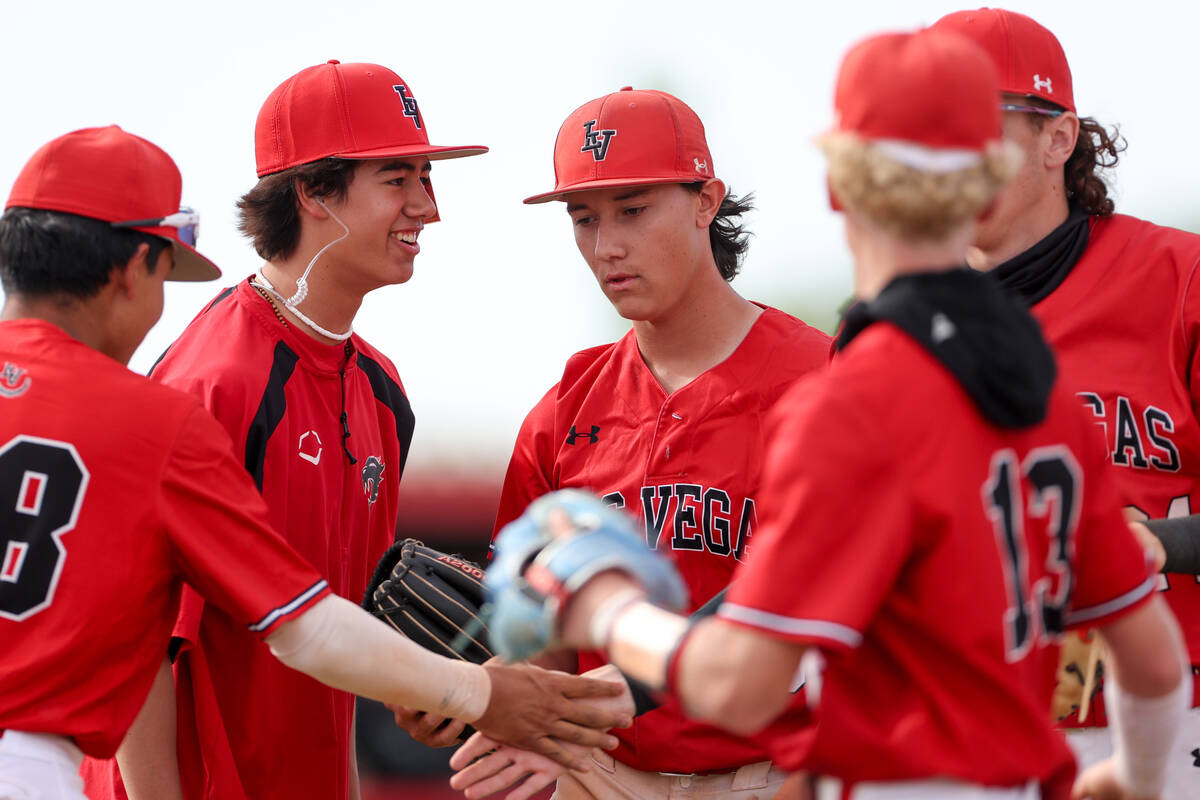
<point x="727" y="233"/>
<point x="910" y="203"/>
<point x="1096" y="149"/>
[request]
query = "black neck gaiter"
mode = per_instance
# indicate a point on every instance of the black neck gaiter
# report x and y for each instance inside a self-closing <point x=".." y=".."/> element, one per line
<point x="984" y="335"/>
<point x="1038" y="271"/>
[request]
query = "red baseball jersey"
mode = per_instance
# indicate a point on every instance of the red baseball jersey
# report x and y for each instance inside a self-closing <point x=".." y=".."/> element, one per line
<point x="324" y="431"/>
<point x="113" y="490"/>
<point x="1125" y="325"/>
<point x="940" y="554"/>
<point x="687" y="465"/>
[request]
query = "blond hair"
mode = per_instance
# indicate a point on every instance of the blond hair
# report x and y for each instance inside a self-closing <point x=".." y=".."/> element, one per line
<point x="910" y="203"/>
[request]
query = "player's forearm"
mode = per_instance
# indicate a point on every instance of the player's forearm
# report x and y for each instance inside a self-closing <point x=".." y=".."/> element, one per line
<point x="341" y="645"/>
<point x="147" y="758"/>
<point x="735" y="677"/>
<point x="1146" y="697"/>
<point x="709" y="656"/>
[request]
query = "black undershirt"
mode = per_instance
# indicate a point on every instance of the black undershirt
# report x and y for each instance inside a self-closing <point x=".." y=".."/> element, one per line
<point x="1038" y="271"/>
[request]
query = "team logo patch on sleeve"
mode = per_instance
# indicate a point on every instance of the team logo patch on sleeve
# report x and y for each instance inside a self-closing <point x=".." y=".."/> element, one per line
<point x="372" y="477"/>
<point x="596" y="142"/>
<point x="14" y="382"/>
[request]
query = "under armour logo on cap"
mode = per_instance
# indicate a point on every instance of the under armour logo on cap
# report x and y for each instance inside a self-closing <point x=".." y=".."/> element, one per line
<point x="1042" y="83"/>
<point x="410" y="103"/>
<point x="596" y="142"/>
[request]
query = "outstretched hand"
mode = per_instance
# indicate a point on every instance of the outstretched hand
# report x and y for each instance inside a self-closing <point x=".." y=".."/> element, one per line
<point x="502" y="766"/>
<point x="539" y="710"/>
<point x="427" y="728"/>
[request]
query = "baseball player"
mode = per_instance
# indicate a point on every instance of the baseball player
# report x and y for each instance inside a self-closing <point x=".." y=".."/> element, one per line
<point x="666" y="423"/>
<point x="115" y="489"/>
<point x="1117" y="299"/>
<point x="319" y="415"/>
<point x="943" y="498"/>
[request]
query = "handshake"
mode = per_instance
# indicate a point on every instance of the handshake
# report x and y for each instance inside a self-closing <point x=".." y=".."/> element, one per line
<point x="538" y="722"/>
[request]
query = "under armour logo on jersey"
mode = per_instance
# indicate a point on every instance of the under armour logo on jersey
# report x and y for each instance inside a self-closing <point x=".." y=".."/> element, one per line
<point x="943" y="328"/>
<point x="372" y="477"/>
<point x="410" y="104"/>
<point x="1042" y="83"/>
<point x="592" y="437"/>
<point x="596" y="142"/>
<point x="13" y="381"/>
<point x="310" y="447"/>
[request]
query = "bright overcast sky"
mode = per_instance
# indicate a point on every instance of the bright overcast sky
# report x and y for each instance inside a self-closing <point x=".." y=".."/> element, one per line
<point x="501" y="297"/>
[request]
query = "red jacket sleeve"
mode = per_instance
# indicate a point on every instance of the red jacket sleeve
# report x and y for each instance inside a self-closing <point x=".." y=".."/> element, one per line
<point x="224" y="545"/>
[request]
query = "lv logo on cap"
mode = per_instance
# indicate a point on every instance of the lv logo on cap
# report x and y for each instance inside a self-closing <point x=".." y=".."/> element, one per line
<point x="410" y="104"/>
<point x="596" y="142"/>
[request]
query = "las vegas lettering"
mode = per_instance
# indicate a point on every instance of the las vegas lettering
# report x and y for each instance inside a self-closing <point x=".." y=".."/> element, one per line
<point x="687" y="516"/>
<point x="1136" y="437"/>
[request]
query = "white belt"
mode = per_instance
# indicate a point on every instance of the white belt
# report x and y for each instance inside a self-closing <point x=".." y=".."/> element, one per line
<point x="931" y="789"/>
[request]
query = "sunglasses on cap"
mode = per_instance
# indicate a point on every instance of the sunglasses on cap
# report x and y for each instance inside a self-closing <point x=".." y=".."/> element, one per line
<point x="1045" y="112"/>
<point x="186" y="221"/>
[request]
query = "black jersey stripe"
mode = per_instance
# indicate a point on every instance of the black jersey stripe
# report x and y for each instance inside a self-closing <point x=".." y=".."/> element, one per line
<point x="270" y="411"/>
<point x="299" y="600"/>
<point x="388" y="392"/>
<point x="217" y="300"/>
<point x="210" y="306"/>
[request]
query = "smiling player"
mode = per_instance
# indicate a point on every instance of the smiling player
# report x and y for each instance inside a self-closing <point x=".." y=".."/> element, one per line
<point x="318" y="415"/>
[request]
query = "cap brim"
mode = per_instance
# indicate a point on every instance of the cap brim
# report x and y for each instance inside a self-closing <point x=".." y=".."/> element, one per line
<point x="191" y="266"/>
<point x="607" y="183"/>
<point x="434" y="153"/>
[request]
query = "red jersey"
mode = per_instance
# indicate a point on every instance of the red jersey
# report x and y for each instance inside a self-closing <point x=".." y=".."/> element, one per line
<point x="938" y="550"/>
<point x="324" y="431"/>
<point x="113" y="490"/>
<point x="687" y="465"/>
<point x="1125" y="325"/>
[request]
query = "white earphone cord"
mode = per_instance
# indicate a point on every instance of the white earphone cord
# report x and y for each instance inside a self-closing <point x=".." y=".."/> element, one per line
<point x="302" y="285"/>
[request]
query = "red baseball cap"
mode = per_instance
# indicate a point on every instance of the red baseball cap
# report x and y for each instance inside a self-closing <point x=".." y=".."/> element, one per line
<point x="354" y="111"/>
<point x="628" y="138"/>
<point x="1029" y="57"/>
<point x="927" y="99"/>
<point x="113" y="176"/>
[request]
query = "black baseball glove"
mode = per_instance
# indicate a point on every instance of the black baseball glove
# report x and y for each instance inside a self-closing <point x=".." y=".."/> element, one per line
<point x="432" y="598"/>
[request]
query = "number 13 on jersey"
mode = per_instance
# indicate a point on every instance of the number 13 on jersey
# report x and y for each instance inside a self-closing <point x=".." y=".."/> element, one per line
<point x="1047" y="484"/>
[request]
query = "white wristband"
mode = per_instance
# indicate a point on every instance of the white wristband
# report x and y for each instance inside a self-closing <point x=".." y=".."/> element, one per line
<point x="1144" y="729"/>
<point x="604" y="616"/>
<point x="642" y="639"/>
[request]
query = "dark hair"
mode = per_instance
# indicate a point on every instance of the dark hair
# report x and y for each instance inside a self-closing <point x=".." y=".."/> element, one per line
<point x="1095" y="149"/>
<point x="270" y="212"/>
<point x="728" y="236"/>
<point x="46" y="253"/>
